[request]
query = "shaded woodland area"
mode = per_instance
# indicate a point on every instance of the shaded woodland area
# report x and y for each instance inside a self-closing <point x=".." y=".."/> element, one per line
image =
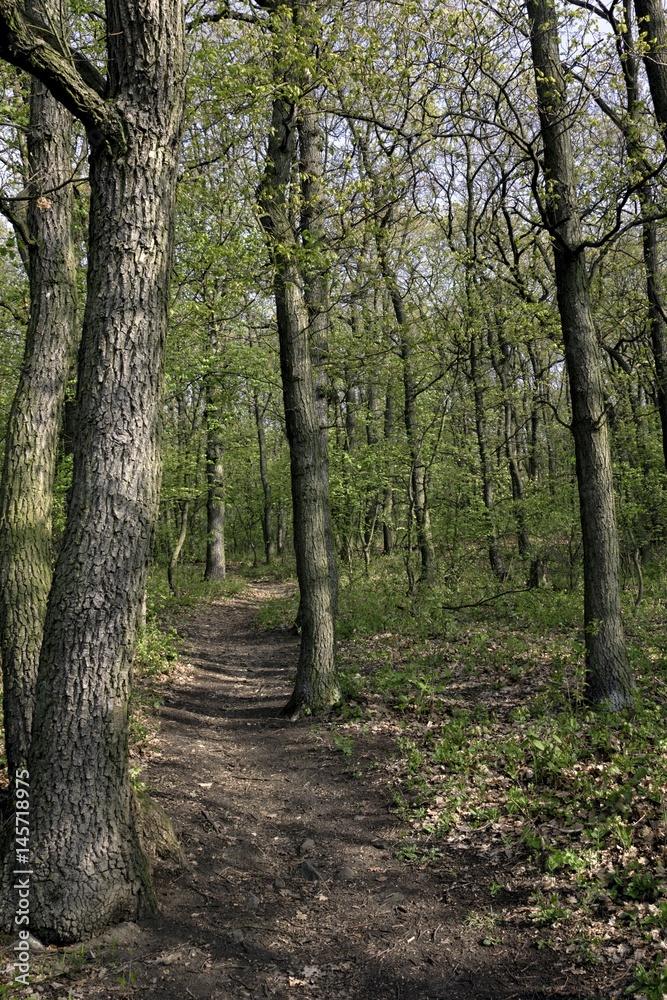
<point x="370" y="297"/>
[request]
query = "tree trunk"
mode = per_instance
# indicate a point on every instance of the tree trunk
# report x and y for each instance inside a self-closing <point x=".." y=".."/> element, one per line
<point x="88" y="869"/>
<point x="502" y="368"/>
<point x="608" y="675"/>
<point x="495" y="559"/>
<point x="388" y="503"/>
<point x="656" y="309"/>
<point x="316" y="294"/>
<point x="178" y="548"/>
<point x="472" y="310"/>
<point x="417" y="465"/>
<point x="418" y="495"/>
<point x="652" y="24"/>
<point x="316" y="684"/>
<point x="267" y="525"/>
<point x="281" y="532"/>
<point x="26" y="552"/>
<point x="216" y="567"/>
<point x="373" y="505"/>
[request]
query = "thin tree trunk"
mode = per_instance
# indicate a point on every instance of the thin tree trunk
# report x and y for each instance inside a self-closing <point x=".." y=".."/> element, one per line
<point x="418" y="495"/>
<point x="388" y="502"/>
<point x="502" y="368"/>
<point x="374" y="505"/>
<point x="418" y="500"/>
<point x="608" y="675"/>
<point x="178" y="548"/>
<point x="281" y="532"/>
<point x="267" y="525"/>
<point x="26" y="494"/>
<point x="216" y="566"/>
<point x="88" y="869"/>
<point x="472" y="307"/>
<point x="495" y="559"/>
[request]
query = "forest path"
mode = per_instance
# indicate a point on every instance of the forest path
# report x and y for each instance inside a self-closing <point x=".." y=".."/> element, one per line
<point x="246" y="790"/>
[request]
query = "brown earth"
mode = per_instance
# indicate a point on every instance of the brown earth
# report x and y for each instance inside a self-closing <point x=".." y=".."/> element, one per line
<point x="292" y="886"/>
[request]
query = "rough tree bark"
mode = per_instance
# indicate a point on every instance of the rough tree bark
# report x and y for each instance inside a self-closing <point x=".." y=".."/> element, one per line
<point x="26" y="494"/>
<point x="88" y="866"/>
<point x="653" y="27"/>
<point x="316" y="291"/>
<point x="316" y="684"/>
<point x="608" y="674"/>
<point x="652" y="22"/>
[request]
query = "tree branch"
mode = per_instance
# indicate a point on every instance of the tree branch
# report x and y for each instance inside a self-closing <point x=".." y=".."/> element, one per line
<point x="23" y="44"/>
<point x="18" y="217"/>
<point x="87" y="71"/>
<point x="226" y="14"/>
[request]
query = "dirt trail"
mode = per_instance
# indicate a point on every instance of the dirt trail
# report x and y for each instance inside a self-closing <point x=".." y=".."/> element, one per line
<point x="246" y="791"/>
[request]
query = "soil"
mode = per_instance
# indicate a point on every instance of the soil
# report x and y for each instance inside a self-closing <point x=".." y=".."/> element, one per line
<point x="291" y="884"/>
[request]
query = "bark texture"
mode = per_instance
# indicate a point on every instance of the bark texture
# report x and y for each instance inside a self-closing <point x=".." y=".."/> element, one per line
<point x="26" y="554"/>
<point x="608" y="675"/>
<point x="88" y="866"/>
<point x="653" y="27"/>
<point x="653" y="24"/>
<point x="316" y="685"/>
<point x="316" y="295"/>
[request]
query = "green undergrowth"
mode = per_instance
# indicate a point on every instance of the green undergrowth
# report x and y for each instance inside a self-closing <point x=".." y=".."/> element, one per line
<point x="193" y="591"/>
<point x="154" y="661"/>
<point x="159" y="642"/>
<point x="279" y="612"/>
<point x="496" y="753"/>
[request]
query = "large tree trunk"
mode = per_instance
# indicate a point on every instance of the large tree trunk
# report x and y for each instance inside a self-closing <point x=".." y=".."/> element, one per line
<point x="316" y="684"/>
<point x="26" y="553"/>
<point x="608" y="675"/>
<point x="652" y="23"/>
<point x="656" y="308"/>
<point x="88" y="869"/>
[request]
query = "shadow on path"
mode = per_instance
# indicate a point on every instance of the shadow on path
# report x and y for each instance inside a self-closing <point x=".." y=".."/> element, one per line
<point x="246" y="790"/>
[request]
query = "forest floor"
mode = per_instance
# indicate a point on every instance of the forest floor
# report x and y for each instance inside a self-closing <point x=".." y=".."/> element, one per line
<point x="297" y="881"/>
